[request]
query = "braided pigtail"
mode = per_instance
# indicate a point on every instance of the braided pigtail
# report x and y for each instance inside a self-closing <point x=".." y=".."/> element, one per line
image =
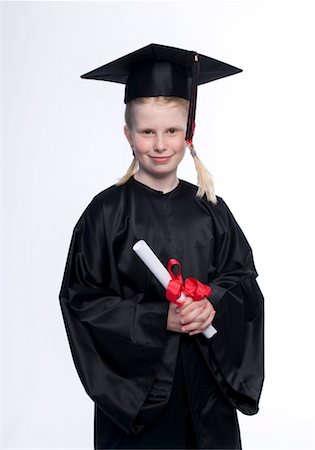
<point x="204" y="177"/>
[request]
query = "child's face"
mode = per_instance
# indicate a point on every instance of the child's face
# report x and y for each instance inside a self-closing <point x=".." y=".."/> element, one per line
<point x="157" y="137"/>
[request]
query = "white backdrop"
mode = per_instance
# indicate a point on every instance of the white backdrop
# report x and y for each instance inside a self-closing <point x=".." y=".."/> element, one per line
<point x="62" y="143"/>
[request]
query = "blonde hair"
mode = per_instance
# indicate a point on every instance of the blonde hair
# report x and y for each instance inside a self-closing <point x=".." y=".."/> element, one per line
<point x="204" y="177"/>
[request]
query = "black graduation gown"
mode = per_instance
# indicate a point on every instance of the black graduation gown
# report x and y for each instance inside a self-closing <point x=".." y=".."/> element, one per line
<point x="115" y="311"/>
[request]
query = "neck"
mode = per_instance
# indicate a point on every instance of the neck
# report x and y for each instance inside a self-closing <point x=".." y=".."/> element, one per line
<point x="164" y="184"/>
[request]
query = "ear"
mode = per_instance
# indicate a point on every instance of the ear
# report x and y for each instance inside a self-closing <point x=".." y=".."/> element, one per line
<point x="128" y="135"/>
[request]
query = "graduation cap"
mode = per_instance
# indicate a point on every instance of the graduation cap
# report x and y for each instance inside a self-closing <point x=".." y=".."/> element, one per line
<point x="160" y="70"/>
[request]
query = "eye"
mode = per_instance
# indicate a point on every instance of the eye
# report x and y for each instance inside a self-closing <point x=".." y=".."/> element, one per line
<point x="172" y="130"/>
<point x="147" y="131"/>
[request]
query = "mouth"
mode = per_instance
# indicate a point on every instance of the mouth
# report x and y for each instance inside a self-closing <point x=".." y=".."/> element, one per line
<point x="160" y="159"/>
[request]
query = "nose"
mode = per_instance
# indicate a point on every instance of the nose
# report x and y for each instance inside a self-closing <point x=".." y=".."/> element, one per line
<point x="159" y="143"/>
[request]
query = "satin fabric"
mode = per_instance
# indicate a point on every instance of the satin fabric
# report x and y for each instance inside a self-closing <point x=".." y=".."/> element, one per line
<point x="115" y="311"/>
<point x="174" y="427"/>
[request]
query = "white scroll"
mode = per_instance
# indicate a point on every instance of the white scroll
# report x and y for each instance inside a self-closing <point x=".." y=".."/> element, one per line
<point x="160" y="272"/>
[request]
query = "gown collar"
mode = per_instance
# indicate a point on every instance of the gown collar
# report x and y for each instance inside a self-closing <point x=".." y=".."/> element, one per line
<point x="144" y="187"/>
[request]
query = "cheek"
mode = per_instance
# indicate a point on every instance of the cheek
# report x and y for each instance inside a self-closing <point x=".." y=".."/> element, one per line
<point x="182" y="153"/>
<point x="140" y="145"/>
<point x="181" y="147"/>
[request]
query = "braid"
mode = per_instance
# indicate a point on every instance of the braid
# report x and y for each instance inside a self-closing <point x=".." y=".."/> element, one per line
<point x="204" y="177"/>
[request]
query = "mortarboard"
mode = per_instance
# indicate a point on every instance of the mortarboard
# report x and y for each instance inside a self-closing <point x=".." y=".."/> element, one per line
<point x="160" y="70"/>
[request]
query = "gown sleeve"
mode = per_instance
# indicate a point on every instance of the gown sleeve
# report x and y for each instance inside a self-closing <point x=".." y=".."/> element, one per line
<point x="236" y="352"/>
<point x="116" y="341"/>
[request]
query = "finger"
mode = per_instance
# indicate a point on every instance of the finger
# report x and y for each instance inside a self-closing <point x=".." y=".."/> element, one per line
<point x="191" y="326"/>
<point x="188" y="301"/>
<point x="191" y="306"/>
<point x="204" y="316"/>
<point x="204" y="326"/>
<point x="197" y="312"/>
<point x="173" y="307"/>
<point x="199" y="325"/>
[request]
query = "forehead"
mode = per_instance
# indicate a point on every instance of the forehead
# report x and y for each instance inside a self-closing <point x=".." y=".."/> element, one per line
<point x="158" y="109"/>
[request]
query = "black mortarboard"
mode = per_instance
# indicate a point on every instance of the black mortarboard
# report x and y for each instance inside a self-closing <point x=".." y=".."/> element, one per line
<point x="157" y="70"/>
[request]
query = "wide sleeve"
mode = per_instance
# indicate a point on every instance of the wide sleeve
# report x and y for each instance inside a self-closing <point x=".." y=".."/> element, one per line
<point x="116" y="340"/>
<point x="236" y="352"/>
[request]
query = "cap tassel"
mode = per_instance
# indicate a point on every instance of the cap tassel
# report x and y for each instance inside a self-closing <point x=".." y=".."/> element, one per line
<point x="193" y="100"/>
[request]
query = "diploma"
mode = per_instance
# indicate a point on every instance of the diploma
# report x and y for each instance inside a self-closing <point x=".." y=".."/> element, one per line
<point x="160" y="272"/>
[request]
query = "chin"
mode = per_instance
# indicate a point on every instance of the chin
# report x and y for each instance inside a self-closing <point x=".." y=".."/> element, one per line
<point x="164" y="169"/>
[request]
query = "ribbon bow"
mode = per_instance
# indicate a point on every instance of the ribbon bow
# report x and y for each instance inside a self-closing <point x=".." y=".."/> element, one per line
<point x="191" y="287"/>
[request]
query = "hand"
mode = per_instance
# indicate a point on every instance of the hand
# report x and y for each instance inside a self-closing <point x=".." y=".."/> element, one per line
<point x="174" y="318"/>
<point x="196" y="316"/>
<point x="192" y="317"/>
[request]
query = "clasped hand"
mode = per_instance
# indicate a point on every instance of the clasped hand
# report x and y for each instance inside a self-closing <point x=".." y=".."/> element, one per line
<point x="192" y="317"/>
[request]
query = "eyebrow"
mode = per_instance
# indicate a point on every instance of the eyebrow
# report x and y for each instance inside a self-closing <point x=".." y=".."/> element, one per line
<point x="152" y="128"/>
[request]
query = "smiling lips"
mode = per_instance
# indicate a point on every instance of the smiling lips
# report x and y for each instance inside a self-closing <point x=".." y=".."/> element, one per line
<point x="160" y="159"/>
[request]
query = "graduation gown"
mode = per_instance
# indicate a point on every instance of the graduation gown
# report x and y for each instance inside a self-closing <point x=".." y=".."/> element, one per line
<point x="115" y="311"/>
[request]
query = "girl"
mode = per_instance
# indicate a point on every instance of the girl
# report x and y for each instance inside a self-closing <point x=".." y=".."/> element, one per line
<point x="156" y="380"/>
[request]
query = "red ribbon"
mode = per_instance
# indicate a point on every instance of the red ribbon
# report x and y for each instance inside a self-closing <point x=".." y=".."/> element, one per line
<point x="191" y="287"/>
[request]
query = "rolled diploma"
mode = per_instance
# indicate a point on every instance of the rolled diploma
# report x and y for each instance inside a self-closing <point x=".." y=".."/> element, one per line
<point x="160" y="272"/>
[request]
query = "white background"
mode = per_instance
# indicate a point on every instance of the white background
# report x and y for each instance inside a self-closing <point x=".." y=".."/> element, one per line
<point x="62" y="143"/>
